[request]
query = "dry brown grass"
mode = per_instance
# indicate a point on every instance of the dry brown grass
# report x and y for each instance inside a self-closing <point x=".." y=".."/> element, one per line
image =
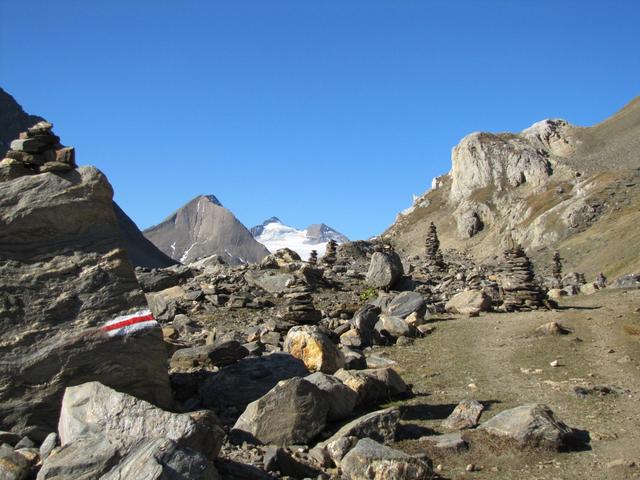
<point x="632" y="330"/>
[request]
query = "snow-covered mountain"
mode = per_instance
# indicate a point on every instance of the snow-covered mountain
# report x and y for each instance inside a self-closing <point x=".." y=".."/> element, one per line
<point x="273" y="234"/>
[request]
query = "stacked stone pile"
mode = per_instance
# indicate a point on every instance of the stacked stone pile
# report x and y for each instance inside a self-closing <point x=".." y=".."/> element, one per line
<point x="298" y="304"/>
<point x="432" y="247"/>
<point x="330" y="254"/>
<point x="517" y="281"/>
<point x="313" y="257"/>
<point x="38" y="150"/>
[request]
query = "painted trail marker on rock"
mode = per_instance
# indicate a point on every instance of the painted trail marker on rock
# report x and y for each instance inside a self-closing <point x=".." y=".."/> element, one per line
<point x="127" y="324"/>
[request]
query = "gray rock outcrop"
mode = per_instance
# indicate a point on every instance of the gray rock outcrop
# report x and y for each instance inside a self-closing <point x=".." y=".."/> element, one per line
<point x="64" y="272"/>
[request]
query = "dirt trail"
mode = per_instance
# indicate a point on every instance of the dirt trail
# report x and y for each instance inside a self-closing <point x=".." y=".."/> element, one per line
<point x="499" y="359"/>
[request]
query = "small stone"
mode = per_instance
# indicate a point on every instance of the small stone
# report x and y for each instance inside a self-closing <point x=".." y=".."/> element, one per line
<point x="555" y="363"/>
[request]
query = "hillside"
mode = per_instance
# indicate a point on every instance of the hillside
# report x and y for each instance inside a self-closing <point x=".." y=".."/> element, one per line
<point x="553" y="186"/>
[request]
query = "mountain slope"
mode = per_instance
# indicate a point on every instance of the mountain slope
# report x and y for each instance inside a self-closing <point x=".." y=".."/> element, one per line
<point x="201" y="228"/>
<point x="275" y="235"/>
<point x="551" y="186"/>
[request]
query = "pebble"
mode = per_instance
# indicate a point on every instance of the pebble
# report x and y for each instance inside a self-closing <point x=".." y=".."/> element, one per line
<point x="555" y="363"/>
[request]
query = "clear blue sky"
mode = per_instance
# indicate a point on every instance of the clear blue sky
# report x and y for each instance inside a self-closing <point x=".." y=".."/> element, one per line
<point x="310" y="110"/>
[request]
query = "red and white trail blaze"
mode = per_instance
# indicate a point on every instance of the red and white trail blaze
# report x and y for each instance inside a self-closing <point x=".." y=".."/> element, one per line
<point x="127" y="324"/>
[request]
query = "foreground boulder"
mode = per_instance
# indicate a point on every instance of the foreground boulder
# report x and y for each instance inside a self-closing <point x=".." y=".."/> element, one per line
<point x="293" y="412"/>
<point x="371" y="460"/>
<point x="92" y="408"/>
<point x="64" y="273"/>
<point x="151" y="459"/>
<point x="314" y="348"/>
<point x="532" y="425"/>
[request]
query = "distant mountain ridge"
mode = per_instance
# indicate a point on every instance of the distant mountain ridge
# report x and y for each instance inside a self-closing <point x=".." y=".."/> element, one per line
<point x="204" y="227"/>
<point x="275" y="235"/>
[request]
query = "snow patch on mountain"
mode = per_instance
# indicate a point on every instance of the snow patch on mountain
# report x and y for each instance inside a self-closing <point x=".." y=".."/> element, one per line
<point x="274" y="235"/>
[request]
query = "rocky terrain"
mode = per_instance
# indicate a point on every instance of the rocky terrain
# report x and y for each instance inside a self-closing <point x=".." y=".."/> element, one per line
<point x="372" y="361"/>
<point x="203" y="228"/>
<point x="274" y="235"/>
<point x="553" y="187"/>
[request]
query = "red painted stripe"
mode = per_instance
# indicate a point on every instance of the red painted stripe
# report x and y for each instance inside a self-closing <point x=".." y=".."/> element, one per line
<point x="127" y="322"/>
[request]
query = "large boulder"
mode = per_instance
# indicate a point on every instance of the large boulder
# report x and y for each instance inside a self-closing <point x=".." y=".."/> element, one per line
<point x="340" y="398"/>
<point x="293" y="412"/>
<point x="469" y="302"/>
<point x="96" y="456"/>
<point x="239" y="384"/>
<point x="385" y="270"/>
<point x="369" y="460"/>
<point x="532" y="425"/>
<point x="64" y="273"/>
<point x="314" y="348"/>
<point x="93" y="409"/>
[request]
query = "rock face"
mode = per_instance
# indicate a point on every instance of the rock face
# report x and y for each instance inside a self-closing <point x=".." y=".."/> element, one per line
<point x="203" y="227"/>
<point x="293" y="412"/>
<point x="59" y="235"/>
<point x="532" y="425"/>
<point x="371" y="460"/>
<point x="500" y="161"/>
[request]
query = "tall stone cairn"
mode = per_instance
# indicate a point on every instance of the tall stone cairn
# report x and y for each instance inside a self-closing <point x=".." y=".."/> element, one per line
<point x="517" y="280"/>
<point x="556" y="269"/>
<point x="330" y="254"/>
<point x="313" y="257"/>
<point x="432" y="246"/>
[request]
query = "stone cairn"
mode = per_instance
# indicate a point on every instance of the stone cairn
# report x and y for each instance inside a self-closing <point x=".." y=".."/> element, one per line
<point x="432" y="247"/>
<point x="330" y="254"/>
<point x="38" y="150"/>
<point x="298" y="305"/>
<point x="601" y="280"/>
<point x="517" y="281"/>
<point x="313" y="257"/>
<point x="556" y="269"/>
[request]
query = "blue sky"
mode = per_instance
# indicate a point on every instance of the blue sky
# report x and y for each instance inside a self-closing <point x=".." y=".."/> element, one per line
<point x="309" y="110"/>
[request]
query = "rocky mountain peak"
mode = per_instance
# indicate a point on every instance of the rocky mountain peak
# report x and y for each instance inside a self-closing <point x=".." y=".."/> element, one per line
<point x="202" y="228"/>
<point x="258" y="229"/>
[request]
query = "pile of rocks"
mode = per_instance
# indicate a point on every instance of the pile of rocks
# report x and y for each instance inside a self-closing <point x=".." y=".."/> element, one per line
<point x="298" y="305"/>
<point x="432" y="247"/>
<point x="38" y="150"/>
<point x="329" y="257"/>
<point x="517" y="281"/>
